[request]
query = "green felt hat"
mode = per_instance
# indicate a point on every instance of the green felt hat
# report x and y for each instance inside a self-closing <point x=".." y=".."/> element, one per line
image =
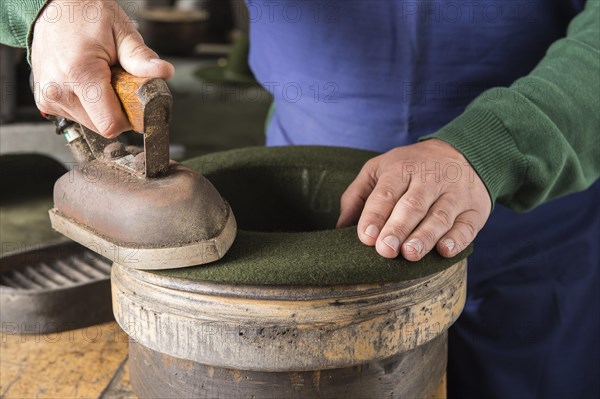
<point x="286" y="202"/>
<point x="235" y="69"/>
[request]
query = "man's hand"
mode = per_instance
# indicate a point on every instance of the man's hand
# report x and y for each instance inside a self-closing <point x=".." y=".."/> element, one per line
<point x="415" y="198"/>
<point x="74" y="45"/>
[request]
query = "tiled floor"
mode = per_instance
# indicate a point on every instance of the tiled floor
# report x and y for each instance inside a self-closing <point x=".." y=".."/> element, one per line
<point x="85" y="363"/>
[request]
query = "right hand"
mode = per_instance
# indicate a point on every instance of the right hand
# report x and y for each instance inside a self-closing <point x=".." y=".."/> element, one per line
<point x="74" y="45"/>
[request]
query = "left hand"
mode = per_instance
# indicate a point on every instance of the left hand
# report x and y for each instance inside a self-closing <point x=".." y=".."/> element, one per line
<point x="415" y="198"/>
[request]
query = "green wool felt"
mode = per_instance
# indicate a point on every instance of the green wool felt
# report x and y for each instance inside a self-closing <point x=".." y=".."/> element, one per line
<point x="286" y="202"/>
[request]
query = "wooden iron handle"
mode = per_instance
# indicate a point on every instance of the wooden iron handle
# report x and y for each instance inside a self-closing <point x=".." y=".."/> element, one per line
<point x="147" y="103"/>
<point x="135" y="93"/>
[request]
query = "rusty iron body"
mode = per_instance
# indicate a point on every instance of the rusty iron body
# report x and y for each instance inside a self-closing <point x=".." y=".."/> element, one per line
<point x="136" y="207"/>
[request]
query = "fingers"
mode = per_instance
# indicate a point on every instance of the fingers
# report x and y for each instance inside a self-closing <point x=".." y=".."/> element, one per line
<point x="410" y="209"/>
<point x="465" y="229"/>
<point x="87" y="98"/>
<point x="379" y="207"/>
<point x="354" y="198"/>
<point x="438" y="221"/>
<point x="98" y="113"/>
<point x="77" y="113"/>
<point x="407" y="215"/>
<point x="138" y="59"/>
<point x="74" y="112"/>
<point x="99" y="100"/>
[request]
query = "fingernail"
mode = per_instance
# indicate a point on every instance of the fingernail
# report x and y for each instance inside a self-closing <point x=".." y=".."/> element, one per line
<point x="392" y="242"/>
<point x="414" y="246"/>
<point x="372" y="231"/>
<point x="450" y="244"/>
<point x="154" y="60"/>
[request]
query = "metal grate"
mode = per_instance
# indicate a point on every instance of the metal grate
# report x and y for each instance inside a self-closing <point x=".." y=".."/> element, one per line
<point x="77" y="268"/>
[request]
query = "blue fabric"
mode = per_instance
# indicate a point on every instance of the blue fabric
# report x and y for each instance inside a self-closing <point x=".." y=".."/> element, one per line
<point x="378" y="74"/>
<point x="530" y="327"/>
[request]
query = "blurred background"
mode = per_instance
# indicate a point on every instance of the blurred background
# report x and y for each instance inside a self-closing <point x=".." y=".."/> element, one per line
<point x="217" y="103"/>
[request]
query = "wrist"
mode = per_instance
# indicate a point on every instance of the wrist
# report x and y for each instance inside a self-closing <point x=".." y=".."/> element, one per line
<point x="486" y="143"/>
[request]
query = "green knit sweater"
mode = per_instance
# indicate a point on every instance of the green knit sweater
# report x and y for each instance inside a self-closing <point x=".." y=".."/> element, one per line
<point x="531" y="142"/>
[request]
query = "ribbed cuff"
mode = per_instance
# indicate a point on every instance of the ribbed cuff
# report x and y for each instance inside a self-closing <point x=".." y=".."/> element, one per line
<point x="489" y="147"/>
<point x="37" y="6"/>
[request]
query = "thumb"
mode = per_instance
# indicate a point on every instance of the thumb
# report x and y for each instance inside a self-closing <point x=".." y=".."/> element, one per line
<point x="355" y="197"/>
<point x="138" y="59"/>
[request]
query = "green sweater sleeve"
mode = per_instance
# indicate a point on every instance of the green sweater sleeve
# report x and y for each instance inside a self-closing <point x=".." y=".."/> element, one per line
<point x="16" y="21"/>
<point x="539" y="138"/>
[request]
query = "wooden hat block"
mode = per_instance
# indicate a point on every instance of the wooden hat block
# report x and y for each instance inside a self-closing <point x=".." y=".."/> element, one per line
<point x="296" y="309"/>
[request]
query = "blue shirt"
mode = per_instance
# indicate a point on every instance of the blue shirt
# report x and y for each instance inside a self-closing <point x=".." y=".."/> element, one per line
<point x="377" y="74"/>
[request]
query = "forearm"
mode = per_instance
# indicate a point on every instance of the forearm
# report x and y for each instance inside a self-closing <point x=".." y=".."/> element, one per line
<point x="539" y="138"/>
<point x="16" y="21"/>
